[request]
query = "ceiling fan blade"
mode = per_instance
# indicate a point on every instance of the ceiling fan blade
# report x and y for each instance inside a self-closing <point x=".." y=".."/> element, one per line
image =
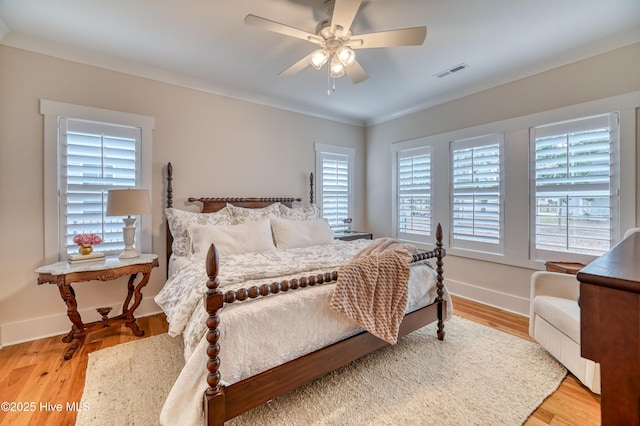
<point x="297" y="67"/>
<point x="404" y="37"/>
<point x="343" y="13"/>
<point x="276" y="27"/>
<point x="356" y="73"/>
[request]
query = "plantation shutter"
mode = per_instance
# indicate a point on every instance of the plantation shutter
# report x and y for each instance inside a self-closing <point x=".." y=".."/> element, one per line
<point x="335" y="189"/>
<point x="414" y="194"/>
<point x="573" y="188"/>
<point x="95" y="157"/>
<point x="477" y="191"/>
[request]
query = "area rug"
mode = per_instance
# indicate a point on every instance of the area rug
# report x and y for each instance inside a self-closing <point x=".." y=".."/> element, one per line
<point x="476" y="376"/>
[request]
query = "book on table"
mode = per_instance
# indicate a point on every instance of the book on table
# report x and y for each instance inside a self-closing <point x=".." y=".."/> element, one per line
<point x="82" y="258"/>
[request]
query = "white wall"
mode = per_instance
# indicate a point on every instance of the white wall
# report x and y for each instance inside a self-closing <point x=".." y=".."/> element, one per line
<point x="225" y="147"/>
<point x="218" y="147"/>
<point x="604" y="76"/>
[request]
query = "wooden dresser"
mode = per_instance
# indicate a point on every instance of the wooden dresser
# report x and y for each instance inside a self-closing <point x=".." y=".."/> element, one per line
<point x="610" y="328"/>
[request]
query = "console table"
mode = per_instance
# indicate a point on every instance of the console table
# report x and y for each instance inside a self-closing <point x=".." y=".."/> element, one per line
<point x="610" y="328"/>
<point x="63" y="275"/>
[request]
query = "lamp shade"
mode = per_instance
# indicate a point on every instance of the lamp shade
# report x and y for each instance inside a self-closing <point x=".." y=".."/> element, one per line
<point x="318" y="58"/>
<point x="124" y="202"/>
<point x="346" y="56"/>
<point x="337" y="69"/>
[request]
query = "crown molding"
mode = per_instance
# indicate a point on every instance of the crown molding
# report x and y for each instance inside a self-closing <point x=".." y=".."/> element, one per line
<point x="49" y="48"/>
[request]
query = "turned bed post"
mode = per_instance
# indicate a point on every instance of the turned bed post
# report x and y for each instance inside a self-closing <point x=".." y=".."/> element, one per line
<point x="439" y="281"/>
<point x="169" y="237"/>
<point x="214" y="408"/>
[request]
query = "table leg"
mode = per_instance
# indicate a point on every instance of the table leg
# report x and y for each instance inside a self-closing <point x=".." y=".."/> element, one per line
<point x="137" y="294"/>
<point x="76" y="335"/>
<point x="130" y="288"/>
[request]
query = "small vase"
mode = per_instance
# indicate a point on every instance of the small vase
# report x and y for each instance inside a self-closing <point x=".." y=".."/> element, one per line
<point x="85" y="250"/>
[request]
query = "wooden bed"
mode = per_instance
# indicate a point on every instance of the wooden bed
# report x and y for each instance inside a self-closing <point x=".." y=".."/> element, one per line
<point x="224" y="402"/>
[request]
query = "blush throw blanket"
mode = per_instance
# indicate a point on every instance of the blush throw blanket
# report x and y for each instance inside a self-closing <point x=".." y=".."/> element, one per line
<point x="372" y="289"/>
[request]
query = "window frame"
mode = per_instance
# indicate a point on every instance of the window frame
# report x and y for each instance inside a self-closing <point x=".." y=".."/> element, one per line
<point x="478" y="142"/>
<point x="336" y="150"/>
<point x="53" y="111"/>
<point x="614" y="118"/>
<point x="428" y="238"/>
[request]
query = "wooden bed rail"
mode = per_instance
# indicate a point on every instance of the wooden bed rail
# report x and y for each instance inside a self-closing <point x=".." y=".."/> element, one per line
<point x="266" y="289"/>
<point x="253" y="292"/>
<point x="214" y="299"/>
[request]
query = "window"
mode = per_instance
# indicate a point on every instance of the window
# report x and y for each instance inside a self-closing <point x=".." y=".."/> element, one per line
<point x="575" y="204"/>
<point x="91" y="156"/>
<point x="413" y="189"/>
<point x="334" y="167"/>
<point x="497" y="210"/>
<point x="95" y="157"/>
<point x="477" y="193"/>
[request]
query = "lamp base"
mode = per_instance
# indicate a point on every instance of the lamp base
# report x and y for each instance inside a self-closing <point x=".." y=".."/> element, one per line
<point x="128" y="254"/>
<point x="129" y="233"/>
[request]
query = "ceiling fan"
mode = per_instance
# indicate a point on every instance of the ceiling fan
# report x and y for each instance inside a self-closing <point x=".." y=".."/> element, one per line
<point x="336" y="43"/>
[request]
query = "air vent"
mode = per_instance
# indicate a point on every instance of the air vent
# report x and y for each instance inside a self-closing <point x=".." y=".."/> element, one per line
<point x="451" y="70"/>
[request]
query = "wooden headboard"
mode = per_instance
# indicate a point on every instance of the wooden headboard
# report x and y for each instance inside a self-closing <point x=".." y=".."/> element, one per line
<point x="210" y="205"/>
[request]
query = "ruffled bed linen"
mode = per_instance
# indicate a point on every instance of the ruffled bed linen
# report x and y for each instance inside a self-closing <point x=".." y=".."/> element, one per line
<point x="260" y="334"/>
<point x="176" y="263"/>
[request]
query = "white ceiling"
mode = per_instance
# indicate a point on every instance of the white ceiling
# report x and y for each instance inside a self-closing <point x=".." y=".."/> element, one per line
<point x="205" y="44"/>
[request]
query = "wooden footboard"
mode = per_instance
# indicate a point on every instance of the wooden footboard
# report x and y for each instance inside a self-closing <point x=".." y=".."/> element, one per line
<point x="226" y="402"/>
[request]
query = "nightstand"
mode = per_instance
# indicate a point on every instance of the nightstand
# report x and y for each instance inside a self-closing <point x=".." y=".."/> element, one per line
<point x="63" y="274"/>
<point x="355" y="235"/>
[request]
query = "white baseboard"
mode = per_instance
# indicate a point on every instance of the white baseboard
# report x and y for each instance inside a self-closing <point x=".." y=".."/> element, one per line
<point x="508" y="302"/>
<point x="38" y="328"/>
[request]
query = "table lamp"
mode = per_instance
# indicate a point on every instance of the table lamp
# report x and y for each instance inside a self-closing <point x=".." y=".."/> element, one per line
<point x="127" y="202"/>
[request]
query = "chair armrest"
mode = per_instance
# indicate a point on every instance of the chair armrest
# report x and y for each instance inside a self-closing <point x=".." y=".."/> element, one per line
<point x="545" y="283"/>
<point x="630" y="231"/>
<point x="556" y="284"/>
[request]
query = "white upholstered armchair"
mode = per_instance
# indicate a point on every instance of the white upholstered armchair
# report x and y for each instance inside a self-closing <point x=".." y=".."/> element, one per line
<point x="554" y="322"/>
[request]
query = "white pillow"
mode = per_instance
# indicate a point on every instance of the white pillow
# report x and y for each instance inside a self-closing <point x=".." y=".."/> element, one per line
<point x="249" y="237"/>
<point x="243" y="214"/>
<point x="179" y="222"/>
<point x="301" y="213"/>
<point x="290" y="233"/>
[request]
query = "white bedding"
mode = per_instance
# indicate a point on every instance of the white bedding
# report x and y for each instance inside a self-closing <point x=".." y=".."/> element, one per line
<point x="259" y="334"/>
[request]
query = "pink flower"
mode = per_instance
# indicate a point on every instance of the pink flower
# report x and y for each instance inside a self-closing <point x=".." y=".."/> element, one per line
<point x="87" y="239"/>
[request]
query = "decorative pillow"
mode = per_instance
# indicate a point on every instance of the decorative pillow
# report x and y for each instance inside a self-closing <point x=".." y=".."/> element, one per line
<point x="249" y="237"/>
<point x="300" y="213"/>
<point x="180" y="220"/>
<point x="291" y="233"/>
<point x="241" y="214"/>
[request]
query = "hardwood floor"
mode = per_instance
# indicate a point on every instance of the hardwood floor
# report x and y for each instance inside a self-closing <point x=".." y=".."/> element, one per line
<point x="35" y="372"/>
<point x="40" y="382"/>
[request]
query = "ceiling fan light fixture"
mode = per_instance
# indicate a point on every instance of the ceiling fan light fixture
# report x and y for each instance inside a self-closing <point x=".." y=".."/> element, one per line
<point x="335" y="40"/>
<point x="346" y="56"/>
<point x="337" y="69"/>
<point x="319" y="58"/>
